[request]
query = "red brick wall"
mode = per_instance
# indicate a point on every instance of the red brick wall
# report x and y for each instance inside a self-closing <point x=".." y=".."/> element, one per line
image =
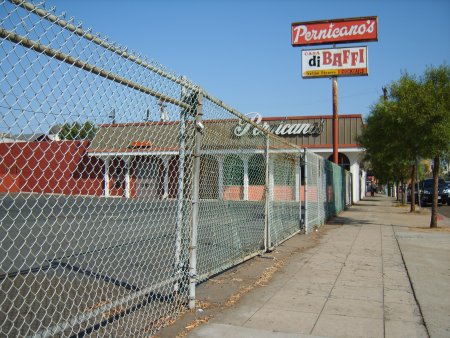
<point x="233" y="192"/>
<point x="60" y="167"/>
<point x="63" y="167"/>
<point x="9" y="183"/>
<point x="256" y="192"/>
<point x="283" y="193"/>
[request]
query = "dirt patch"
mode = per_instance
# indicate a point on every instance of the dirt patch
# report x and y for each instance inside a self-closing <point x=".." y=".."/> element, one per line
<point x="422" y="229"/>
<point x="417" y="212"/>
<point x="225" y="290"/>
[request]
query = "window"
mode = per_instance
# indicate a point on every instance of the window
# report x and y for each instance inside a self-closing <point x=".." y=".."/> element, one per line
<point x="233" y="170"/>
<point x="343" y="161"/>
<point x="284" y="171"/>
<point x="256" y="170"/>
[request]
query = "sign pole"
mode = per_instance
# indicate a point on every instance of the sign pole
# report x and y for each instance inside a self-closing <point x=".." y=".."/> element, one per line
<point x="335" y="121"/>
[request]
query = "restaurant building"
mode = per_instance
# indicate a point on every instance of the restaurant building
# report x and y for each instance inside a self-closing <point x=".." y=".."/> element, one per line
<point x="142" y="159"/>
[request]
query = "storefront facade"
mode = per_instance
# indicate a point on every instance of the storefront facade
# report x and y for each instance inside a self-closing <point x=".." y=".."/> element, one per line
<point x="139" y="162"/>
<point x="315" y="134"/>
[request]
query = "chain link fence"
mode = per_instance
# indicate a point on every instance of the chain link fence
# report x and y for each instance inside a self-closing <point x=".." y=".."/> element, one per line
<point x="122" y="184"/>
<point x="328" y="190"/>
<point x="284" y="193"/>
<point x="237" y="205"/>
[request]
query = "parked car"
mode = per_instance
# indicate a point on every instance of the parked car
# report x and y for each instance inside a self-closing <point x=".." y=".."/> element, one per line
<point x="425" y="188"/>
<point x="447" y="191"/>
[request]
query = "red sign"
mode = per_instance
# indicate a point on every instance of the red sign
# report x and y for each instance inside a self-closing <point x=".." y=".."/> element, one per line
<point x="335" y="31"/>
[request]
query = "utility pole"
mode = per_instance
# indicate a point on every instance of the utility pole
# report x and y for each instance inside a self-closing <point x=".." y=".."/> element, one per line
<point x="163" y="115"/>
<point x="112" y="116"/>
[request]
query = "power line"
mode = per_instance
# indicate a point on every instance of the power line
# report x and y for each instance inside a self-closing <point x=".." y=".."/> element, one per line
<point x="33" y="111"/>
<point x="340" y="97"/>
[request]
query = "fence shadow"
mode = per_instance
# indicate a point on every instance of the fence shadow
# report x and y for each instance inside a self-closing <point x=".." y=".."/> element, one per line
<point x="338" y="220"/>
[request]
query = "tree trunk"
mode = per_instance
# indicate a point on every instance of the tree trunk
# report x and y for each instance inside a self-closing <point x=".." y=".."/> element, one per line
<point x="413" y="188"/>
<point x="434" y="206"/>
<point x="397" y="184"/>
<point x="403" y="192"/>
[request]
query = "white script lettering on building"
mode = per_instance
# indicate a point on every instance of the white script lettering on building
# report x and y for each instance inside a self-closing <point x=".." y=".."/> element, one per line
<point x="282" y="129"/>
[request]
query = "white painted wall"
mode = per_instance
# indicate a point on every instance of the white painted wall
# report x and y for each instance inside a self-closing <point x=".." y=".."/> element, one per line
<point x="363" y="184"/>
<point x="355" y="170"/>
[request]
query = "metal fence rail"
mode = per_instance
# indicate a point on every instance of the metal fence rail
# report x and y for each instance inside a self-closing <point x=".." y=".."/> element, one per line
<point x="122" y="184"/>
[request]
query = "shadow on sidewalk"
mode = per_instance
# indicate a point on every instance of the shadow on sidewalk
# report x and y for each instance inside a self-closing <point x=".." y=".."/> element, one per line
<point x="339" y="220"/>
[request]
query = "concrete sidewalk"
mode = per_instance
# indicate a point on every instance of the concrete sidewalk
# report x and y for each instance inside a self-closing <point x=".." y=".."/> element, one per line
<point x="354" y="283"/>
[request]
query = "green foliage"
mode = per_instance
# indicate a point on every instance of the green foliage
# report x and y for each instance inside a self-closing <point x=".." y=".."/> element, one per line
<point x="76" y="131"/>
<point x="436" y="83"/>
<point x="381" y="151"/>
<point x="414" y="122"/>
<point x="422" y="171"/>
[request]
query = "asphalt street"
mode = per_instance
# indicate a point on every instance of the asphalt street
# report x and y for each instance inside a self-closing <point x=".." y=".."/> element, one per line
<point x="37" y="230"/>
<point x="94" y="248"/>
<point x="443" y="210"/>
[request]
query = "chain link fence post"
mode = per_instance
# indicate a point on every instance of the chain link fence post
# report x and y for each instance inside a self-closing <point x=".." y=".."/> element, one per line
<point x="199" y="130"/>
<point x="299" y="190"/>
<point x="267" y="193"/>
<point x="305" y="156"/>
<point x="182" y="138"/>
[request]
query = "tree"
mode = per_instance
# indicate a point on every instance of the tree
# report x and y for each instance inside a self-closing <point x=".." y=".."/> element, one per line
<point x="414" y="122"/>
<point x="436" y="106"/>
<point x="75" y="131"/>
<point x="379" y="138"/>
<point x="406" y="110"/>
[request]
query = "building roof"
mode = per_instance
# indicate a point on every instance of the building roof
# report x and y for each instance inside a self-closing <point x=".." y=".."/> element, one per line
<point x="223" y="134"/>
<point x="6" y="137"/>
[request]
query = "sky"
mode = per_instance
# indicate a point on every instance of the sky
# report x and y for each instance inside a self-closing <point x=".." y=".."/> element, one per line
<point x="241" y="53"/>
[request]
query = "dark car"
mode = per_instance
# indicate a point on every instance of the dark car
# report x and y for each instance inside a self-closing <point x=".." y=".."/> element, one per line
<point x="447" y="191"/>
<point x="426" y="191"/>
